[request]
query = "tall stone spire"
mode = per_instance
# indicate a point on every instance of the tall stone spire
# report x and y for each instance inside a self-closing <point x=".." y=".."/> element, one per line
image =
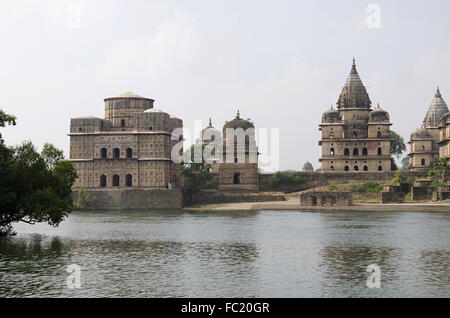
<point x="354" y="94"/>
<point x="437" y="108"/>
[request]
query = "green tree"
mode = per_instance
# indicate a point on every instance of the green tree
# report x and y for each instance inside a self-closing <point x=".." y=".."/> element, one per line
<point x="401" y="179"/>
<point x="397" y="144"/>
<point x="34" y="187"/>
<point x="439" y="173"/>
<point x="195" y="174"/>
<point x="405" y="163"/>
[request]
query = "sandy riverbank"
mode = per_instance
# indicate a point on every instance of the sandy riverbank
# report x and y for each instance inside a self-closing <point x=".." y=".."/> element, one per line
<point x="293" y="205"/>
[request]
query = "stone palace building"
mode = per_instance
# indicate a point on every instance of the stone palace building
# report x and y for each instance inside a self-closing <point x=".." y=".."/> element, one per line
<point x="129" y="148"/>
<point x="355" y="137"/>
<point x="425" y="141"/>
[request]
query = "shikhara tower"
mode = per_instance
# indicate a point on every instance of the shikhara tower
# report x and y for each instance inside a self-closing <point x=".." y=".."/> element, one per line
<point x="424" y="141"/>
<point x="355" y="137"/>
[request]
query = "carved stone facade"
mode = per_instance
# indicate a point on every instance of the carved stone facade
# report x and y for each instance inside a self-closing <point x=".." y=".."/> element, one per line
<point x="129" y="148"/>
<point x="354" y="136"/>
<point x="238" y="169"/>
<point x="424" y="142"/>
<point x="444" y="137"/>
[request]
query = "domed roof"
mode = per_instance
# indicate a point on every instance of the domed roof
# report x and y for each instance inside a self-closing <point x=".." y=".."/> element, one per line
<point x="421" y="133"/>
<point x="378" y="115"/>
<point x="354" y="94"/>
<point x="437" y="108"/>
<point x="211" y="131"/>
<point x="238" y="122"/>
<point x="128" y="95"/>
<point x="154" y="110"/>
<point x="331" y="116"/>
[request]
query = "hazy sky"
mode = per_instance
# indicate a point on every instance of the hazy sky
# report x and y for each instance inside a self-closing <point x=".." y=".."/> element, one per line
<point x="282" y="63"/>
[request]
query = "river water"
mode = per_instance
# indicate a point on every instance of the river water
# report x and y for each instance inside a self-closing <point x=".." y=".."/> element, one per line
<point x="230" y="254"/>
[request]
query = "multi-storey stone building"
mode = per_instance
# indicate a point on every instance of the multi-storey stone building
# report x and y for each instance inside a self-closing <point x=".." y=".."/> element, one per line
<point x="424" y="142"/>
<point x="129" y="148"/>
<point x="355" y="137"/>
<point x="444" y="137"/>
<point x="211" y="140"/>
<point x="239" y="168"/>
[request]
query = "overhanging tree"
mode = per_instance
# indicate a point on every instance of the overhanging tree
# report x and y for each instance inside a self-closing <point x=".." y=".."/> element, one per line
<point x="34" y="187"/>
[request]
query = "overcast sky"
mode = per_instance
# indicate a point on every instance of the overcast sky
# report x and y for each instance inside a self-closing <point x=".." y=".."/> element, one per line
<point x="282" y="63"/>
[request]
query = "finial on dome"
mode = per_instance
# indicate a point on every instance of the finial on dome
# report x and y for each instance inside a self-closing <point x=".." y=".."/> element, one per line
<point x="210" y="124"/>
<point x="354" y="66"/>
<point x="378" y="105"/>
<point x="238" y="115"/>
<point x="438" y="92"/>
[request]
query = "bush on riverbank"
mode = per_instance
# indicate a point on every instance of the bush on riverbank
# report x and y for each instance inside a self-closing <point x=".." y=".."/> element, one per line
<point x="366" y="187"/>
<point x="282" y="178"/>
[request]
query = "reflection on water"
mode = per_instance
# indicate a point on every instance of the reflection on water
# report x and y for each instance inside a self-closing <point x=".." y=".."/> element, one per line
<point x="230" y="254"/>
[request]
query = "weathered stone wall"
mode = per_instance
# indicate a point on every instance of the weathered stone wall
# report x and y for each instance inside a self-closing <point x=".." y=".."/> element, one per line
<point x="217" y="196"/>
<point x="421" y="193"/>
<point x="392" y="197"/>
<point x="317" y="198"/>
<point x="135" y="199"/>
<point x="317" y="179"/>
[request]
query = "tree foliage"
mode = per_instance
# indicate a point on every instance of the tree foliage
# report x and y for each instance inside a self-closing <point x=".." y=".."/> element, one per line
<point x="405" y="163"/>
<point x="439" y="173"/>
<point x="282" y="178"/>
<point x="397" y="144"/>
<point x="34" y="187"/>
<point x="401" y="179"/>
<point x="196" y="175"/>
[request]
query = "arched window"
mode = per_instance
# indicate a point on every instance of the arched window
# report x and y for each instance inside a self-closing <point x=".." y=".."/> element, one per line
<point x="103" y="153"/>
<point x="380" y="168"/>
<point x="116" y="153"/>
<point x="213" y="138"/>
<point x="379" y="134"/>
<point x="355" y="168"/>
<point x="116" y="180"/>
<point x="379" y="151"/>
<point x="355" y="151"/>
<point x="122" y="123"/>
<point x="364" y="151"/>
<point x="423" y="148"/>
<point x="366" y="168"/>
<point x="422" y="162"/>
<point x="346" y="152"/>
<point x="346" y="168"/>
<point x="332" y="168"/>
<point x="332" y="151"/>
<point x="129" y="180"/>
<point x="80" y="129"/>
<point x="355" y="135"/>
<point x="103" y="181"/>
<point x="236" y="178"/>
<point x="129" y="153"/>
<point x="150" y="128"/>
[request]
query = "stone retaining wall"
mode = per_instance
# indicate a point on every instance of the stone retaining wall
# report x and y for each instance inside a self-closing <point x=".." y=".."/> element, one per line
<point x="217" y="196"/>
<point x="135" y="199"/>
<point x="326" y="198"/>
<point x="392" y="197"/>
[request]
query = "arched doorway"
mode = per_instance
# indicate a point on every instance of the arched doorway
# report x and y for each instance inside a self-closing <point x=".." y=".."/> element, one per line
<point x="237" y="178"/>
<point x="116" y="180"/>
